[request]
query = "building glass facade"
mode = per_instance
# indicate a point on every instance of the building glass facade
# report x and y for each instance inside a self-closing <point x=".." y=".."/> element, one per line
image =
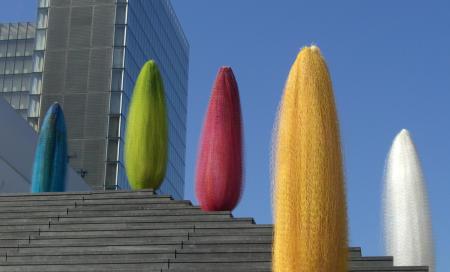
<point x="147" y="30"/>
<point x="17" y="42"/>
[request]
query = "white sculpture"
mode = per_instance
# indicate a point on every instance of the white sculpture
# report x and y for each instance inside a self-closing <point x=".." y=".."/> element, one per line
<point x="407" y="220"/>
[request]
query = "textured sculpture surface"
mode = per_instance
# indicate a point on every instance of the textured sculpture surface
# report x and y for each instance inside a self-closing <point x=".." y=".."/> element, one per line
<point x="50" y="163"/>
<point x="219" y="170"/>
<point x="309" y="204"/>
<point x="146" y="141"/>
<point x="407" y="221"/>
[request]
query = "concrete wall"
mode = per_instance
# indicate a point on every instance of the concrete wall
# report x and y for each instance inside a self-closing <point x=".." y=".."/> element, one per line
<point x="17" y="147"/>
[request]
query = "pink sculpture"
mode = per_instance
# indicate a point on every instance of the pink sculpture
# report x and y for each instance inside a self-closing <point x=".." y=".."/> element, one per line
<point x="219" y="172"/>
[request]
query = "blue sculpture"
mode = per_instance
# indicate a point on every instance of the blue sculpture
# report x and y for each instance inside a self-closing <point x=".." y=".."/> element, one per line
<point x="50" y="163"/>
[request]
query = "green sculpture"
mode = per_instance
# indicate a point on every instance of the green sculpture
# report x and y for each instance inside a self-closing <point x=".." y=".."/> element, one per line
<point x="146" y="139"/>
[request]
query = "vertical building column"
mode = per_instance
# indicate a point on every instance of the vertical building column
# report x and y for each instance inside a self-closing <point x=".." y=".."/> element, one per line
<point x="34" y="106"/>
<point x="116" y="115"/>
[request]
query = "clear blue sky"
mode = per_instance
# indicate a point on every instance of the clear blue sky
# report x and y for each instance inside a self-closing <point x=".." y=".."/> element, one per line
<point x="389" y="62"/>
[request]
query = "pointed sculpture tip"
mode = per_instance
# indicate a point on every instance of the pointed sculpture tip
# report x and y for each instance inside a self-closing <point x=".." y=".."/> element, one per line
<point x="315" y="49"/>
<point x="226" y="69"/>
<point x="310" y="51"/>
<point x="402" y="137"/>
<point x="150" y="64"/>
<point x="404" y="132"/>
<point x="55" y="107"/>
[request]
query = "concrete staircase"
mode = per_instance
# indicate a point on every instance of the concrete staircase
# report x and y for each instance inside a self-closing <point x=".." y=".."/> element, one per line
<point x="136" y="231"/>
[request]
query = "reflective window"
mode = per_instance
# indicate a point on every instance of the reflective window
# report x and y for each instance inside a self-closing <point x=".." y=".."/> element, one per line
<point x="113" y="126"/>
<point x="36" y="84"/>
<point x="29" y="48"/>
<point x="34" y="106"/>
<point x="2" y="66"/>
<point x="20" y="49"/>
<point x="119" y="35"/>
<point x="18" y="66"/>
<point x="9" y="67"/>
<point x="118" y="57"/>
<point x="27" y="65"/>
<point x="121" y="16"/>
<point x="42" y="20"/>
<point x="17" y="83"/>
<point x="26" y="83"/>
<point x="31" y="31"/>
<point x="24" y="101"/>
<point x="4" y="31"/>
<point x="42" y="3"/>
<point x="112" y="150"/>
<point x="116" y="82"/>
<point x="40" y="39"/>
<point x="115" y="103"/>
<point x="11" y="48"/>
<point x="7" y="83"/>
<point x="111" y="169"/>
<point x="22" y="31"/>
<point x="38" y="61"/>
<point x="15" y="100"/>
<point x="3" y="48"/>
<point x="12" y="31"/>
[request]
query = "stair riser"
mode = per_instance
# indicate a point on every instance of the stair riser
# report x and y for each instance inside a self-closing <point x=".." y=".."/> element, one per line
<point x="88" y="249"/>
<point x="123" y="213"/>
<point x="70" y="203"/>
<point x="86" y="259"/>
<point x="124" y="226"/>
<point x="117" y="219"/>
<point x="95" y="207"/>
<point x="84" y="267"/>
<point x="80" y="197"/>
<point x="103" y="241"/>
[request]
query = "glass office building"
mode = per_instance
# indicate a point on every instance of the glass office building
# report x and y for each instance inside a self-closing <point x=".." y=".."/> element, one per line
<point x="17" y="42"/>
<point x="87" y="56"/>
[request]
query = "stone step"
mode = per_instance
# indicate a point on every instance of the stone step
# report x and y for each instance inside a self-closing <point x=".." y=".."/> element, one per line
<point x="174" y="252"/>
<point x="125" y="232"/>
<point x="108" y="213"/>
<point x="354" y="252"/>
<point x="100" y="241"/>
<point x="161" y="257"/>
<point x="219" y="268"/>
<point x="85" y="202"/>
<point x="147" y="266"/>
<point x="56" y="195"/>
<point x="97" y="207"/>
<point x="161" y="218"/>
<point x="232" y="223"/>
<point x="89" y="249"/>
<point x="68" y="219"/>
<point x="109" y="233"/>
<point x="80" y="197"/>
<point x="44" y="234"/>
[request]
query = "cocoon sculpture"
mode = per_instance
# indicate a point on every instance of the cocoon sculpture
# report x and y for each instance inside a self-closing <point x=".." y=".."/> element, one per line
<point x="407" y="220"/>
<point x="146" y="139"/>
<point x="218" y="183"/>
<point x="50" y="163"/>
<point x="309" y="203"/>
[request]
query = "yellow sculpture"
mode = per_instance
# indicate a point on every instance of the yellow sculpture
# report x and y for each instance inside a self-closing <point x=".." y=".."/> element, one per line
<point x="309" y="203"/>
